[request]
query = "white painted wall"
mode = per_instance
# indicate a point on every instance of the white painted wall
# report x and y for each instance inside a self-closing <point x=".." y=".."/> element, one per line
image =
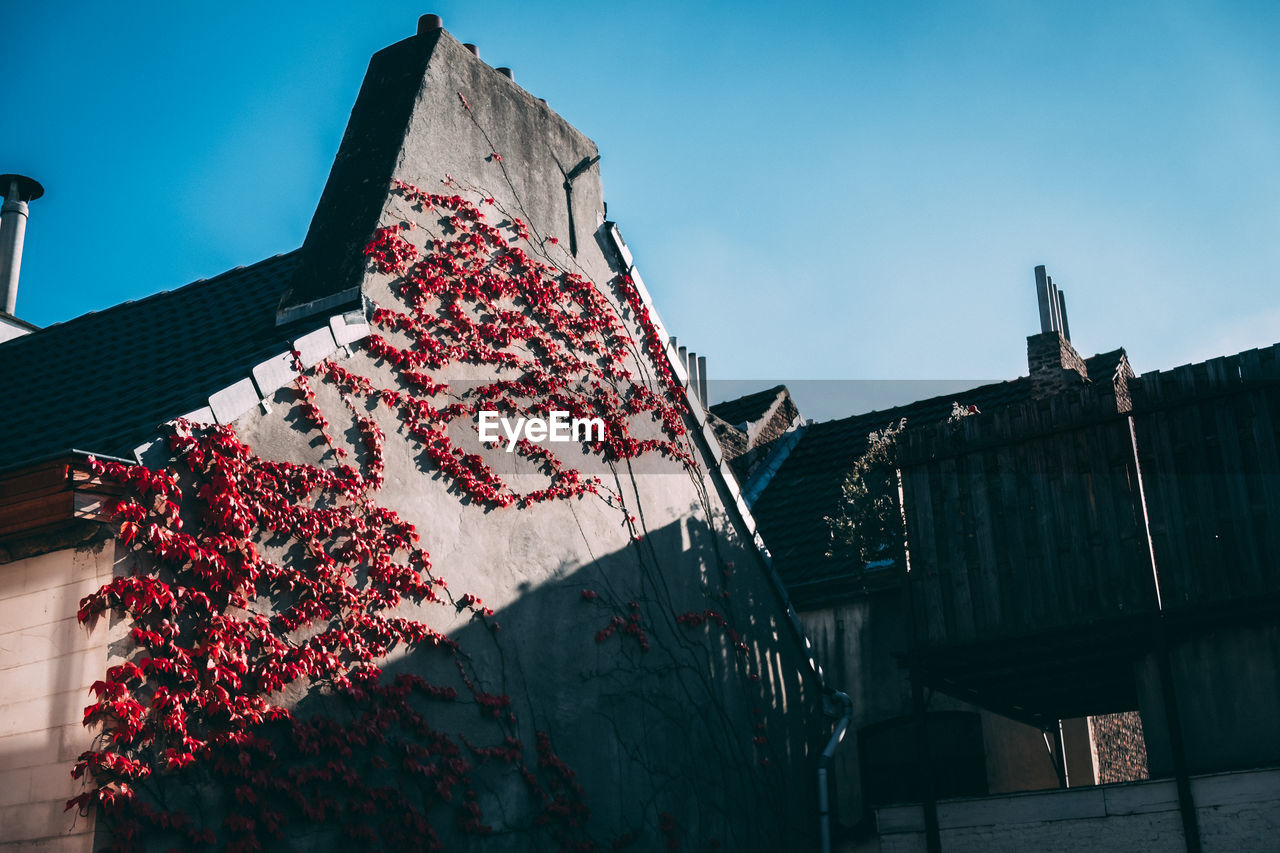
<point x="1237" y="812"/>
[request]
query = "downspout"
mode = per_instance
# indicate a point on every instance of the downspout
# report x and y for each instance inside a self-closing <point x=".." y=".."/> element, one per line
<point x="824" y="797"/>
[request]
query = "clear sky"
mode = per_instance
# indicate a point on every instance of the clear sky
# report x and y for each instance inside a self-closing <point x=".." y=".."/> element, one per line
<point x="818" y="191"/>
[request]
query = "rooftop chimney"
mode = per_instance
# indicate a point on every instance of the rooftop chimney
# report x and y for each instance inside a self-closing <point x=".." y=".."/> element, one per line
<point x="18" y="190"/>
<point x="1053" y="305"/>
<point x="1053" y="363"/>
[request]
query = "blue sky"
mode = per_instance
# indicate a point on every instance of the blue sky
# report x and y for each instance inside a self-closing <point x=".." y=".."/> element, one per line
<point x="828" y="191"/>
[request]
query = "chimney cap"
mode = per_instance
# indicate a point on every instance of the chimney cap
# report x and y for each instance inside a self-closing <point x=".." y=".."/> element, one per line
<point x="427" y="23"/>
<point x="29" y="189"/>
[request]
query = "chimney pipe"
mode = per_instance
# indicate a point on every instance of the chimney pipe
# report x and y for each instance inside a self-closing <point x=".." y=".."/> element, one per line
<point x="693" y="373"/>
<point x="475" y="51"/>
<point x="702" y="380"/>
<point x="18" y="190"/>
<point x="1053" y="305"/>
<point x="1062" y="314"/>
<point x="429" y="23"/>
<point x="1046" y="300"/>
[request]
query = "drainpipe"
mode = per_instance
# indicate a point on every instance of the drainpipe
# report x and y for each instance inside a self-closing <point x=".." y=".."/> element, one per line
<point x="824" y="804"/>
<point x="17" y="190"/>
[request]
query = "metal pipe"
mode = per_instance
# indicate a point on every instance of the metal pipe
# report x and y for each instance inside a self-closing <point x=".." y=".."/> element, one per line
<point x="18" y="190"/>
<point x="1062" y="313"/>
<point x="702" y="380"/>
<point x="691" y="365"/>
<point x="824" y="796"/>
<point x="1044" y="296"/>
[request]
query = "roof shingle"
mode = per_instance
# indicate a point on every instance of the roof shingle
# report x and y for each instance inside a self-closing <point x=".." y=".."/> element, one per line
<point x="104" y="381"/>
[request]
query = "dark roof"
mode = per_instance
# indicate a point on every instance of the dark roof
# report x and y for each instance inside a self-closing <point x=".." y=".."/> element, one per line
<point x="1103" y="366"/>
<point x="791" y="511"/>
<point x="104" y="381"/>
<point x="752" y="407"/>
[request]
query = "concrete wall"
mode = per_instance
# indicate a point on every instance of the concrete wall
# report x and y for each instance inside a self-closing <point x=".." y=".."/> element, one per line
<point x="47" y="663"/>
<point x="1236" y="811"/>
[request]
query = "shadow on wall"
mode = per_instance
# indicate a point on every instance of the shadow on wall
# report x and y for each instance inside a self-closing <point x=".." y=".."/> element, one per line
<point x="618" y="705"/>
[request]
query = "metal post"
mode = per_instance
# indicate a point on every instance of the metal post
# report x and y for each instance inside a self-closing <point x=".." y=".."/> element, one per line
<point x="924" y="765"/>
<point x="1173" y="721"/>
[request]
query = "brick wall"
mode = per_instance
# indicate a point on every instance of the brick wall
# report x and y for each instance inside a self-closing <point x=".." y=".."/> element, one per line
<point x="1054" y="364"/>
<point x="1120" y="749"/>
<point x="47" y="662"/>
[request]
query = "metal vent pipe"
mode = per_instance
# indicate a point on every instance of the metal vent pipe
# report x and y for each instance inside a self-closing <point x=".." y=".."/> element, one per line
<point x="18" y="190"/>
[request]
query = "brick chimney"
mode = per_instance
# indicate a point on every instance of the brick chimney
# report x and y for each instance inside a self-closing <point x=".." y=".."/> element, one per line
<point x="1054" y="364"/>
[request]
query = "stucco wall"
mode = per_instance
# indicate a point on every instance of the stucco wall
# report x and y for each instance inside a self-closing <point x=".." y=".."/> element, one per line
<point x="47" y="663"/>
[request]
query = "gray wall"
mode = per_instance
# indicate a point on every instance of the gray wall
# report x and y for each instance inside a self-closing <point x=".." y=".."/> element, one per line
<point x="1227" y="686"/>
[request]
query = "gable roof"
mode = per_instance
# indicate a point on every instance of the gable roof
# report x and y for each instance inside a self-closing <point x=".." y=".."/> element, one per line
<point x="104" y="381"/>
<point x="1104" y="366"/>
<point x="750" y="408"/>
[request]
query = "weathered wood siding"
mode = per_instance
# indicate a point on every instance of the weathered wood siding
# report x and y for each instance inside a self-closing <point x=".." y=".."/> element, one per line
<point x="1208" y="435"/>
<point x="1024" y="519"/>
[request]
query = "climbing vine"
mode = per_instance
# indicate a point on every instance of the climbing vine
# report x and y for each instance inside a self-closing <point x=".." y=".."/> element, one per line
<point x="255" y="582"/>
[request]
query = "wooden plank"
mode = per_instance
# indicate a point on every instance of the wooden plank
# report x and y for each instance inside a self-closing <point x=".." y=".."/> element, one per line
<point x="1041" y="606"/>
<point x="1010" y="523"/>
<point x="1104" y="568"/>
<point x="40" y="510"/>
<point x="943" y="523"/>
<point x="924" y="578"/>
<point x="1240" y="551"/>
<point x="955" y="528"/>
<point x="1210" y="571"/>
<point x="1126" y="533"/>
<point x="89" y="505"/>
<point x="1164" y="500"/>
<point x="1265" y="428"/>
<point x="993" y="564"/>
<point x="1077" y="598"/>
<point x="39" y="479"/>
<point x="1185" y="465"/>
